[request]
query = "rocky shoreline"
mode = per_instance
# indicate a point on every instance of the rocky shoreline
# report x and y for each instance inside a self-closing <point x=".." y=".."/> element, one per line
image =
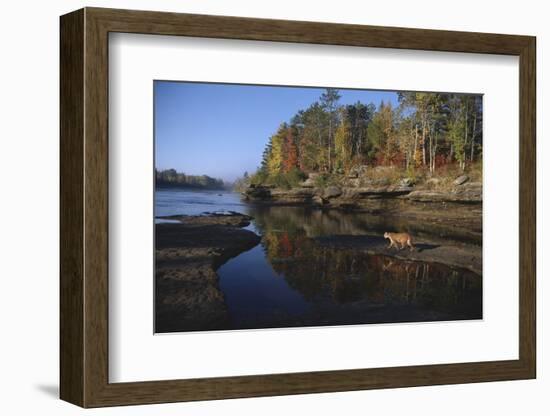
<point x="190" y="249"/>
<point x="456" y="207"/>
<point x="187" y="254"/>
<point x="463" y="256"/>
<point x="368" y="197"/>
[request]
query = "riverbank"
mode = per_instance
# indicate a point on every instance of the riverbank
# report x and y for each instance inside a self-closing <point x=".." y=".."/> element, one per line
<point x="454" y="207"/>
<point x="191" y="248"/>
<point x="372" y="198"/>
<point x="463" y="256"/>
<point x="187" y="255"/>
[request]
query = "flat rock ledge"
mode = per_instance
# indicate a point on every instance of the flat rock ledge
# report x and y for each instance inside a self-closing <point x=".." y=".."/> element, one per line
<point x="230" y="218"/>
<point x="362" y="196"/>
<point x="187" y="255"/>
<point x="463" y="256"/>
<point x="466" y="193"/>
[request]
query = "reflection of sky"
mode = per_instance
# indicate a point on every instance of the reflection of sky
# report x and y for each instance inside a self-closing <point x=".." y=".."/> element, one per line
<point x="221" y="130"/>
<point x="187" y="202"/>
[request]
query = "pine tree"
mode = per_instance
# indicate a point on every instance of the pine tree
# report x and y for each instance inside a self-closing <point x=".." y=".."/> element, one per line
<point x="329" y="103"/>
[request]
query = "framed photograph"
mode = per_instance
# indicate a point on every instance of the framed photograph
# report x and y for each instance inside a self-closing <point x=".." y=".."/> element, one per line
<point x="255" y="207"/>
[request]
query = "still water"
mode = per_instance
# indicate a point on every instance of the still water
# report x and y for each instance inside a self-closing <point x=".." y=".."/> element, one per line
<point x="292" y="279"/>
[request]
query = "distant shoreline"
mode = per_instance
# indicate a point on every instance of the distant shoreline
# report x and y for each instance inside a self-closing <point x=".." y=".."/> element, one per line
<point x="187" y="187"/>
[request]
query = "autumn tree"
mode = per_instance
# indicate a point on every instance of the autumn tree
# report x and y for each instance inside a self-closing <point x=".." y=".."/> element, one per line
<point x="424" y="131"/>
<point x="290" y="151"/>
<point x="343" y="146"/>
<point x="276" y="155"/>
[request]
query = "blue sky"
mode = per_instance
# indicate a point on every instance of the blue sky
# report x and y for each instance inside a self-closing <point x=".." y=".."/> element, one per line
<point x="221" y="130"/>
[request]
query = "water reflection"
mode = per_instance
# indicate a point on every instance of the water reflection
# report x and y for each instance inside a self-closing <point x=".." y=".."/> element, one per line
<point x="291" y="280"/>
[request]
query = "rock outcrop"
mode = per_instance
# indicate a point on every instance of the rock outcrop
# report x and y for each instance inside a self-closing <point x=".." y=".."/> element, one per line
<point x="187" y="255"/>
<point x="360" y="192"/>
<point x="456" y="255"/>
<point x="467" y="193"/>
<point x="461" y="180"/>
<point x="331" y="192"/>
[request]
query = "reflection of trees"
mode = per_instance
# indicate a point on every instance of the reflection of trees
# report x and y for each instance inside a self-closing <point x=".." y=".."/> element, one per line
<point x="343" y="275"/>
<point x="317" y="222"/>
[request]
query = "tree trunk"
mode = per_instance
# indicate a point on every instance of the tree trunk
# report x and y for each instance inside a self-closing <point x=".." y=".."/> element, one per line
<point x="415" y="144"/>
<point x="320" y="138"/>
<point x="329" y="138"/>
<point x="465" y="137"/>
<point x="424" y="143"/>
<point x="434" y="150"/>
<point x="473" y="138"/>
<point x="430" y="150"/>
<point x="410" y="152"/>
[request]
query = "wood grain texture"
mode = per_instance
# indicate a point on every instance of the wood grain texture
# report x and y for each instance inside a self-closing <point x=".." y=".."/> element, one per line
<point x="84" y="207"/>
<point x="71" y="208"/>
<point x="225" y="27"/>
<point x="96" y="219"/>
<point x="527" y="207"/>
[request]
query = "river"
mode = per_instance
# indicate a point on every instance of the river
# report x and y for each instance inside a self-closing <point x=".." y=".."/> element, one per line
<point x="290" y="279"/>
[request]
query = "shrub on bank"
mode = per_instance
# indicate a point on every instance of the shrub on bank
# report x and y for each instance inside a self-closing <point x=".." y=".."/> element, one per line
<point x="442" y="179"/>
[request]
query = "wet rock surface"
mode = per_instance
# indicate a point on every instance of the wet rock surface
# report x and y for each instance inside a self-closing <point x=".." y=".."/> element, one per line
<point x="231" y="218"/>
<point x="187" y="255"/>
<point x="463" y="256"/>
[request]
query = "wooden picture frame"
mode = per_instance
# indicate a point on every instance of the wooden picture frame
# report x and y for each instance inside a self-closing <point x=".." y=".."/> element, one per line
<point x="84" y="207"/>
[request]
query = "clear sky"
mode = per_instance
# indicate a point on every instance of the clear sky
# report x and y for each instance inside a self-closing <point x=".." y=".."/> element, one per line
<point x="221" y="130"/>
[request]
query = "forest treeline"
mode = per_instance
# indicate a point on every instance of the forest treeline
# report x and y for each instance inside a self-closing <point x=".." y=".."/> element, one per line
<point x="424" y="131"/>
<point x="170" y="177"/>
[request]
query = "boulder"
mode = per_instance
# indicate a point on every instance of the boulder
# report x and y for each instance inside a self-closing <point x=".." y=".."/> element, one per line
<point x="405" y="182"/>
<point x="257" y="192"/>
<point x="310" y="181"/>
<point x="319" y="200"/>
<point x="469" y="192"/>
<point x="461" y="180"/>
<point x="332" y="192"/>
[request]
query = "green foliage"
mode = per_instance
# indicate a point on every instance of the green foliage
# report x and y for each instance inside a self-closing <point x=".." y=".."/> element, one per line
<point x="427" y="131"/>
<point x="171" y="177"/>
<point x="342" y="147"/>
<point x="259" y="178"/>
<point x="242" y="183"/>
<point x="286" y="180"/>
<point x="413" y="173"/>
<point x="326" y="179"/>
